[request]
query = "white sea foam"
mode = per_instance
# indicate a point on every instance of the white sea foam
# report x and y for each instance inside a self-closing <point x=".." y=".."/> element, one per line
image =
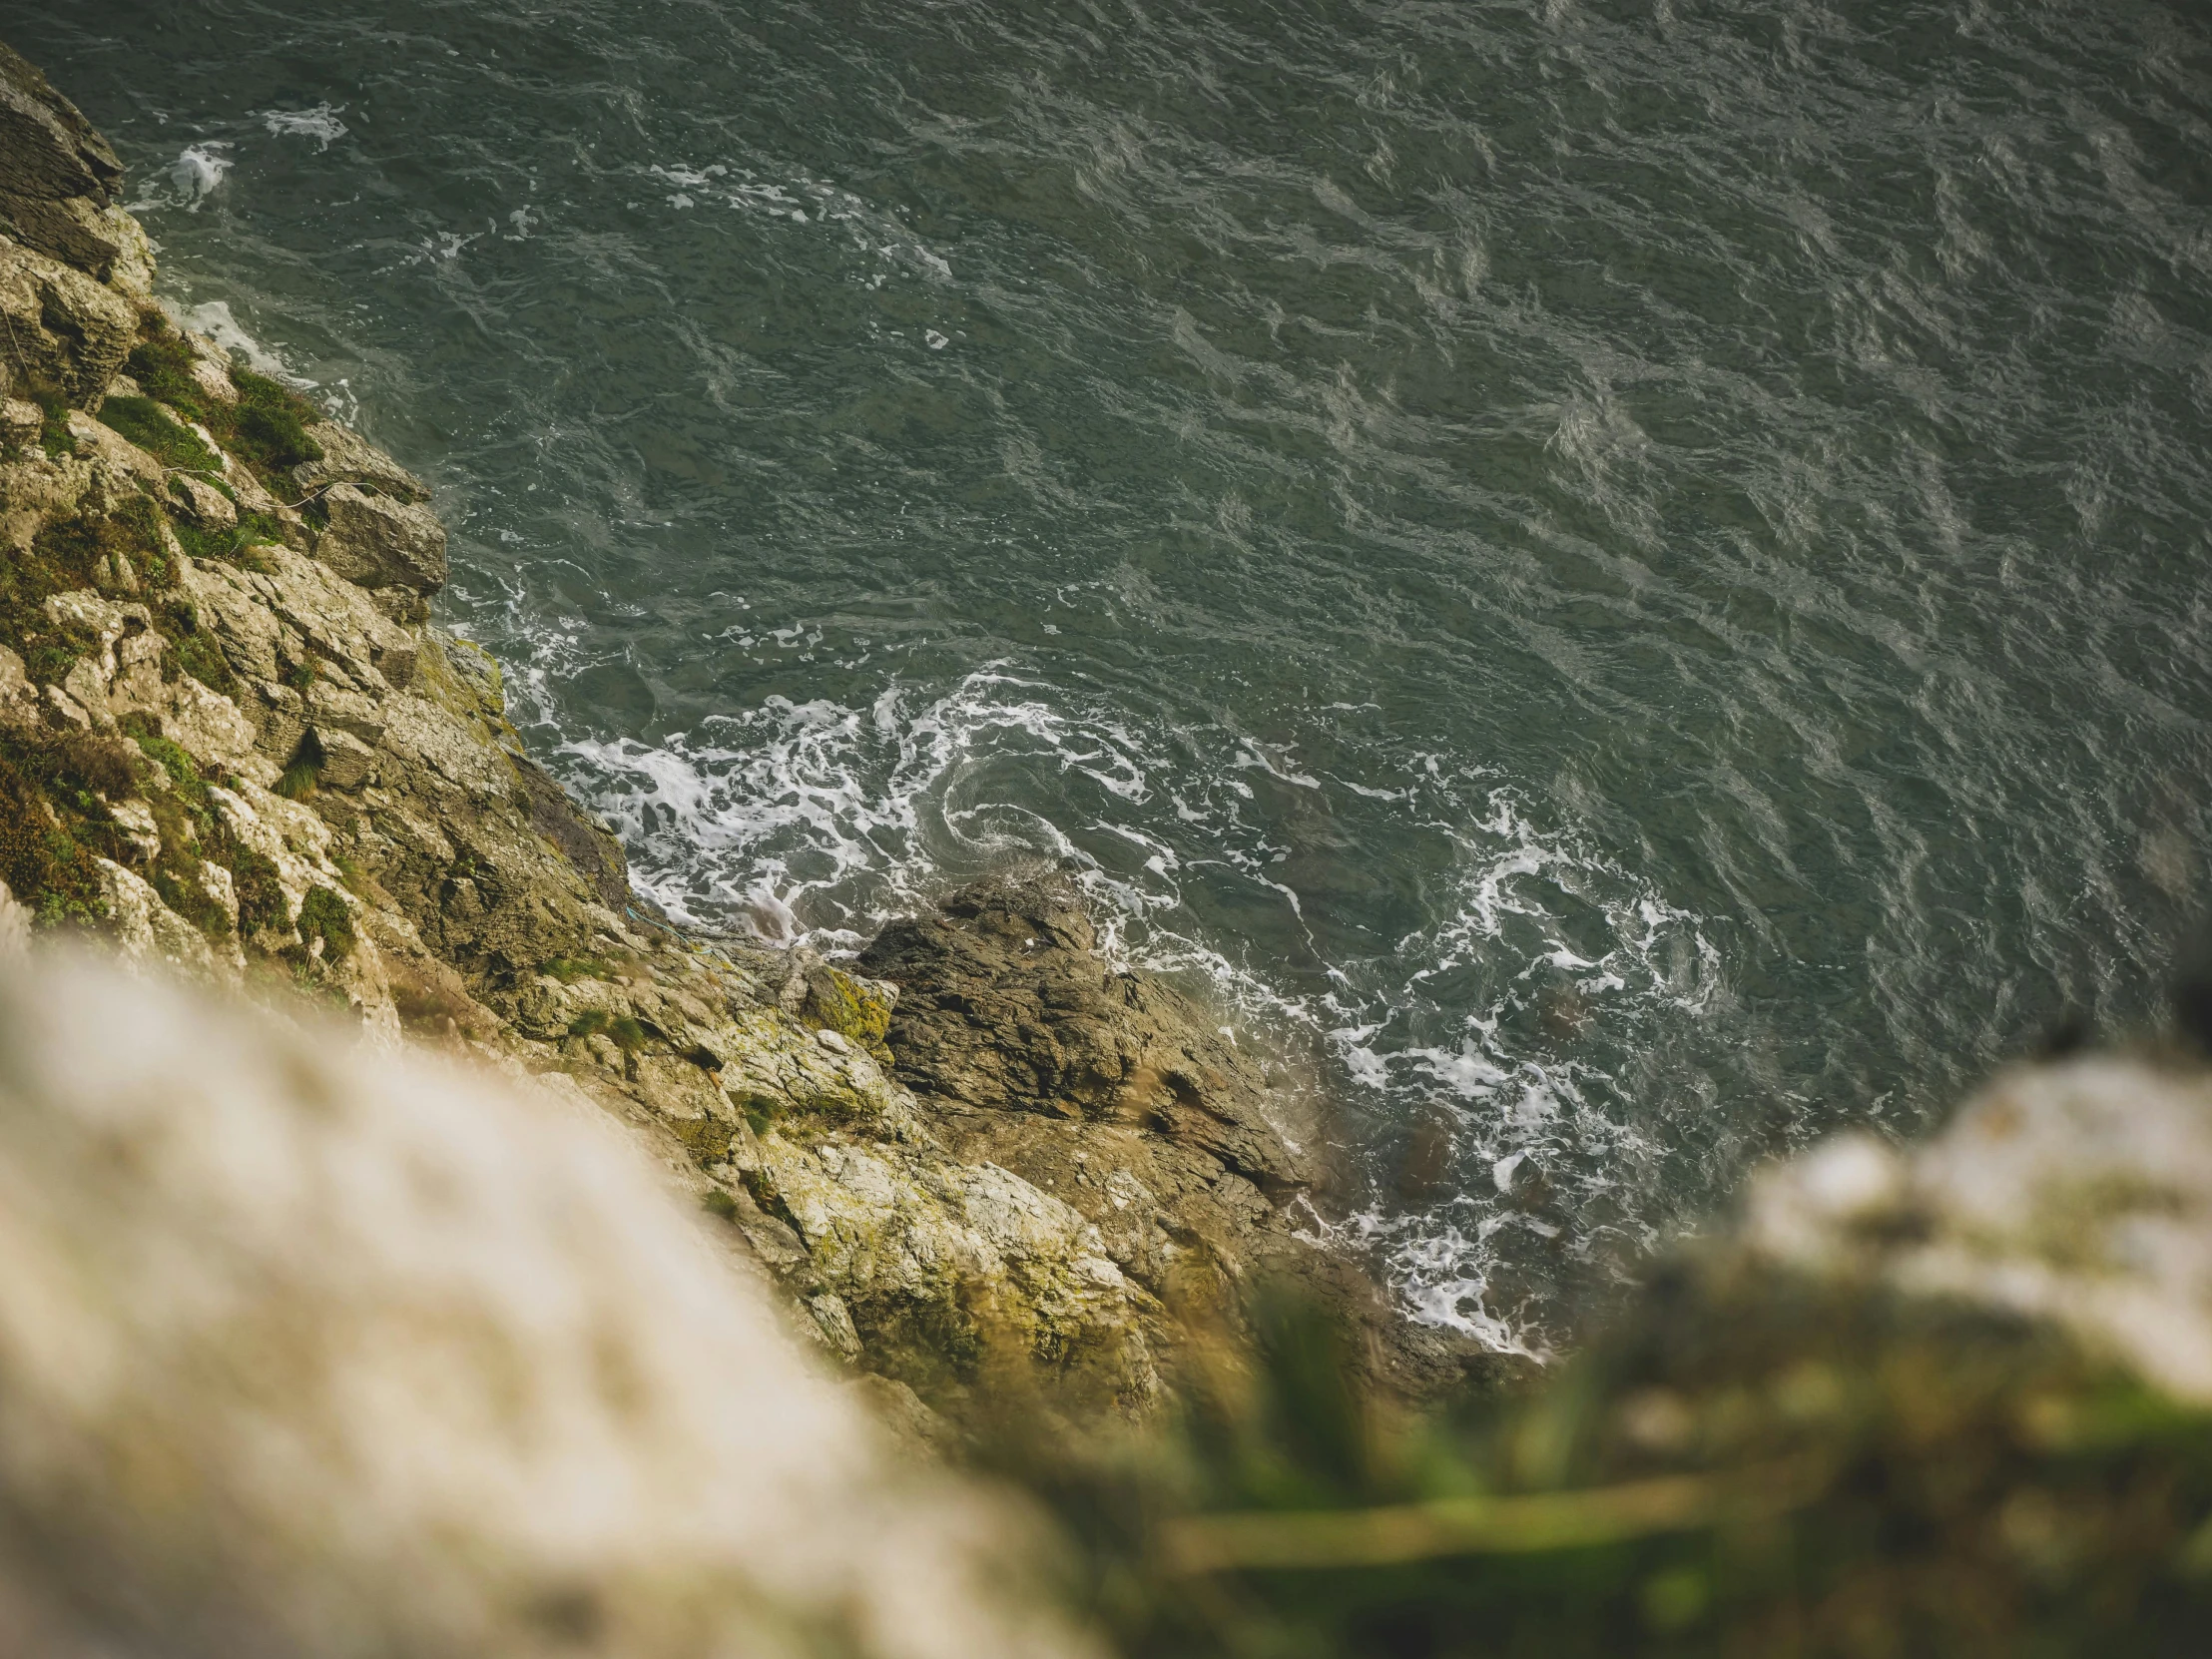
<point x="213" y="318"/>
<point x="868" y="230"/>
<point x="199" y="172"/>
<point x="820" y="820"/>
<point x="320" y="124"/>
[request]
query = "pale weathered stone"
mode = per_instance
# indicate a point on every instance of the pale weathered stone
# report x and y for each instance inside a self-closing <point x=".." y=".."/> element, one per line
<point x="137" y="821"/>
<point x="349" y="459"/>
<point x="36" y="489"/>
<point x="62" y="324"/>
<point x="18" y="697"/>
<point x="379" y="542"/>
<point x="211" y="728"/>
<point x="346" y="761"/>
<point x="98" y="440"/>
<point x="329" y="708"/>
<point x="202" y="502"/>
<point x="15" y="927"/>
<point x="147" y="930"/>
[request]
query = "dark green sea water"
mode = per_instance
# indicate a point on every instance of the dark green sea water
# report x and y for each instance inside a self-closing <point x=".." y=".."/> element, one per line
<point x="1629" y="583"/>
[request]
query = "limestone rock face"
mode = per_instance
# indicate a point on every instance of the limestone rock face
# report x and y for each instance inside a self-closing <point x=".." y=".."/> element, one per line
<point x="1005" y="1005"/>
<point x="68" y="328"/>
<point x="938" y="1261"/>
<point x="379" y="542"/>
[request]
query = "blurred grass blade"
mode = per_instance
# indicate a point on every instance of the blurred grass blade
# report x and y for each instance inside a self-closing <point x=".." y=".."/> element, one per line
<point x="1528" y="1525"/>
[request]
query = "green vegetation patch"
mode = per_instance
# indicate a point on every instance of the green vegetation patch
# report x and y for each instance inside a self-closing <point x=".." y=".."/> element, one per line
<point x="184" y="816"/>
<point x="235" y="545"/>
<point x="75" y="552"/>
<point x="69" y="555"/>
<point x="54" y="435"/>
<point x="323" y="915"/>
<point x="627" y="1034"/>
<point x="298" y="782"/>
<point x="196" y="651"/>
<point x="261" y="895"/>
<point x="149" y="426"/>
<point x="266" y="428"/>
<point x="53" y="823"/>
<point x="761" y="1109"/>
<point x="161" y="364"/>
<point x="569" y="970"/>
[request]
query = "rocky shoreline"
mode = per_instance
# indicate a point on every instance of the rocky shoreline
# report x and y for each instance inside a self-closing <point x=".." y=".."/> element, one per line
<point x="233" y="741"/>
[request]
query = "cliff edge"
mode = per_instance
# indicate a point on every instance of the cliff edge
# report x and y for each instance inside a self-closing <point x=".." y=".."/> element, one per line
<point x="233" y="742"/>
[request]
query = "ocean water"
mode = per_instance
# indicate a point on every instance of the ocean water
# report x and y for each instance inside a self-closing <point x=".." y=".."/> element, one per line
<point x="1624" y="585"/>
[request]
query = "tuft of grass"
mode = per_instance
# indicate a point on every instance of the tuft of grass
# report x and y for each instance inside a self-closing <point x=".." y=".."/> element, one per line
<point x="149" y="425"/>
<point x="761" y="1110"/>
<point x="266" y="428"/>
<point x="357" y="881"/>
<point x="201" y="658"/>
<point x="196" y="651"/>
<point x="569" y="970"/>
<point x="52" y="406"/>
<point x="161" y="362"/>
<point x="262" y="906"/>
<point x="299" y="781"/>
<point x="627" y="1033"/>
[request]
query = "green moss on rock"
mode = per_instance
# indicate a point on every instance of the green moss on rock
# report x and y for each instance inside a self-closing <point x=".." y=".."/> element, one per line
<point x="855" y="1008"/>
<point x="262" y="906"/>
<point x="323" y="915"/>
<point x="53" y="824"/>
<point x="266" y="428"/>
<point x="145" y="423"/>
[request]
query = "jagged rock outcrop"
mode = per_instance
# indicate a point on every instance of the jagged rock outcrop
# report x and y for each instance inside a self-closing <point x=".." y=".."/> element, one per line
<point x="1006" y="1005"/>
<point x="1116" y="1093"/>
<point x="58" y="178"/>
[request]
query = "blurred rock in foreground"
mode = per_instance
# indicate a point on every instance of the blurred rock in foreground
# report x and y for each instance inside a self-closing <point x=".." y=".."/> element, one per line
<point x="305" y="1350"/>
<point x="1952" y="1400"/>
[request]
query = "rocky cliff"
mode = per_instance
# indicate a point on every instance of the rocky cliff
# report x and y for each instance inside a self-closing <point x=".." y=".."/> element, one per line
<point x="233" y="741"/>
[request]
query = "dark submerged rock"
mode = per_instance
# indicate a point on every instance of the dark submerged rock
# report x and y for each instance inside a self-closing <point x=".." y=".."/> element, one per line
<point x="1116" y="1093"/>
<point x="1005" y="1006"/>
